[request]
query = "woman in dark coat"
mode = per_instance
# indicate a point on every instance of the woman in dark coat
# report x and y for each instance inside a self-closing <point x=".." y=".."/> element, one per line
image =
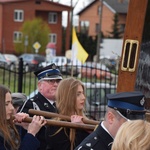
<point x="9" y="136"/>
<point x="70" y="101"/>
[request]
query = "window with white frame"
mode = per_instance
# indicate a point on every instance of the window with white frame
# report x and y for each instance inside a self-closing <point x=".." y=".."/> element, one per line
<point x="53" y="38"/>
<point x="17" y="37"/>
<point x="18" y="15"/>
<point x="52" y="17"/>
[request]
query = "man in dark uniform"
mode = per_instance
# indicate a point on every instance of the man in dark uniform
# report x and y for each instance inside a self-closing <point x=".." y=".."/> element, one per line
<point x="121" y="107"/>
<point x="48" y="80"/>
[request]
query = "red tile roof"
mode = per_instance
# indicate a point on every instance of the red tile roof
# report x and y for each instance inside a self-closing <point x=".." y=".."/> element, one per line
<point x="9" y="1"/>
<point x="4" y="1"/>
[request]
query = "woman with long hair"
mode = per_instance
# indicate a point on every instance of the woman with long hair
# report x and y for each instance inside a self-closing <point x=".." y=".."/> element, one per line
<point x="70" y="101"/>
<point x="9" y="136"/>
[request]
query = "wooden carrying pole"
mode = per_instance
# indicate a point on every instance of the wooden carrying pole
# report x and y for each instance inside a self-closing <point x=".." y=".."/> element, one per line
<point x="53" y="115"/>
<point x="131" y="45"/>
<point x="65" y="124"/>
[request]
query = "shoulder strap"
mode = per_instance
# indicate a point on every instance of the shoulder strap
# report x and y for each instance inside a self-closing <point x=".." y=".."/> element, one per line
<point x="35" y="105"/>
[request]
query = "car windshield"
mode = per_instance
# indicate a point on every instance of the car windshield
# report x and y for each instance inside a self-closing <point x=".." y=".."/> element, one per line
<point x="11" y="57"/>
<point x="56" y="60"/>
<point x="60" y="61"/>
<point x="2" y="58"/>
<point x="27" y="57"/>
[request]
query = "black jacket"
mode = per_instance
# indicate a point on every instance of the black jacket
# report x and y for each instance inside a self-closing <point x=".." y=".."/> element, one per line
<point x="60" y="140"/>
<point x="43" y="105"/>
<point x="29" y="143"/>
<point x="97" y="140"/>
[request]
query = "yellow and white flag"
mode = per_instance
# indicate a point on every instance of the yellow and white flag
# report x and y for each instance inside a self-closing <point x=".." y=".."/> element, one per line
<point x="78" y="52"/>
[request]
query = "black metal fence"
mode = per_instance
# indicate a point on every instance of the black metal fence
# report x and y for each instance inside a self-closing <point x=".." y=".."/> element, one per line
<point x="97" y="80"/>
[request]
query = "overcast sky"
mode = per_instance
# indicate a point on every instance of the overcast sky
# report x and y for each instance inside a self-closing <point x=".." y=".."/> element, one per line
<point x="80" y="5"/>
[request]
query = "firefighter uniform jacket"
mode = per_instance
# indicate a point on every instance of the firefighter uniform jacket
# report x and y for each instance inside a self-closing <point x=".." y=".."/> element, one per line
<point x="39" y="102"/>
<point x="97" y="140"/>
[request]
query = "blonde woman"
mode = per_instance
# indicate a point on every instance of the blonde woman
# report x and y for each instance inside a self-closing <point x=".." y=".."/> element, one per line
<point x="70" y="101"/>
<point x="133" y="135"/>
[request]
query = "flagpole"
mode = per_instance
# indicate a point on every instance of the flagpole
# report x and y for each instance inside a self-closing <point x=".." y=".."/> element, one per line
<point x="71" y="35"/>
<point x="71" y="68"/>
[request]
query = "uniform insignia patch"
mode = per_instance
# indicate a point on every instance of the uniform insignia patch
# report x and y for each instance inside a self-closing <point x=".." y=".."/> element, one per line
<point x="54" y="66"/>
<point x="46" y="105"/>
<point x="142" y="101"/>
<point x="88" y="144"/>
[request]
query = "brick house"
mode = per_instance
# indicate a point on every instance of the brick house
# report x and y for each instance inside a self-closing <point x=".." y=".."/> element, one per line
<point x="13" y="13"/>
<point x="90" y="17"/>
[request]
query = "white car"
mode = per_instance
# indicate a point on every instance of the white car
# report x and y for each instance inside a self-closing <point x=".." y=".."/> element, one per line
<point x="9" y="61"/>
<point x="96" y="101"/>
<point x="64" y="65"/>
<point x="60" y="61"/>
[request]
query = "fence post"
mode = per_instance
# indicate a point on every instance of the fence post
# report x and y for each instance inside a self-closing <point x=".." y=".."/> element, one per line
<point x="20" y="75"/>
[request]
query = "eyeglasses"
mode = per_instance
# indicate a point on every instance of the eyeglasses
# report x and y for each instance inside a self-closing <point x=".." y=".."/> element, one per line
<point x="53" y="81"/>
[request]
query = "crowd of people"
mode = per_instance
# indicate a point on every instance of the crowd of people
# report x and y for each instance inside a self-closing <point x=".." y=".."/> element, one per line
<point x="124" y="126"/>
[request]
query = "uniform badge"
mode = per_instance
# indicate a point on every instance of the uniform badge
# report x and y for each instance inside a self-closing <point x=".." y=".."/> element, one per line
<point x="53" y="66"/>
<point x="47" y="74"/>
<point x="142" y="101"/>
<point x="46" y="105"/>
<point x="88" y="144"/>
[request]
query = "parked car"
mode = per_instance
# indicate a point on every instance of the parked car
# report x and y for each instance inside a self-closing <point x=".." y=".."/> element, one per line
<point x="31" y="61"/>
<point x="12" y="61"/>
<point x="2" y="61"/>
<point x="97" y="70"/>
<point x="60" y="61"/>
<point x="111" y="63"/>
<point x="96" y="101"/>
<point x="63" y="63"/>
<point x="8" y="61"/>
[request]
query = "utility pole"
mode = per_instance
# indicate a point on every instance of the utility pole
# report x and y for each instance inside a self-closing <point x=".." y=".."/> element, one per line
<point x="99" y="34"/>
<point x="71" y="3"/>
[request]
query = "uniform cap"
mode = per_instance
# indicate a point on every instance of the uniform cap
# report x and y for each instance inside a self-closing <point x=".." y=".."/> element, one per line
<point x="127" y="103"/>
<point x="50" y="72"/>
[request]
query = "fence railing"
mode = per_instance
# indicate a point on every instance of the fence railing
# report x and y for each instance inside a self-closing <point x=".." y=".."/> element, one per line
<point x="98" y="80"/>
